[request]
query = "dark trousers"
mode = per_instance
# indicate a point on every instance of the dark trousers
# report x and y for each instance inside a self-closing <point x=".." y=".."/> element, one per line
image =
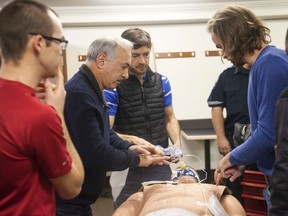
<point x="138" y="175"/>
<point x="279" y="203"/>
<point x="65" y="209"/>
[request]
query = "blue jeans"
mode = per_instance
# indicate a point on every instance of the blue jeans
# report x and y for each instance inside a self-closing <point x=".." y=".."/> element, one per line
<point x="267" y="196"/>
<point x="65" y="209"/>
<point x="138" y="175"/>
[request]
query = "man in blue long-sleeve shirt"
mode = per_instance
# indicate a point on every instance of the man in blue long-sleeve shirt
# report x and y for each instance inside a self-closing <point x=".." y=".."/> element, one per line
<point x="244" y="39"/>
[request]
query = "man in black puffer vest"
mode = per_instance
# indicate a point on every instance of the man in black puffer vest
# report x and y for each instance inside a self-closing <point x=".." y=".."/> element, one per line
<point x="141" y="112"/>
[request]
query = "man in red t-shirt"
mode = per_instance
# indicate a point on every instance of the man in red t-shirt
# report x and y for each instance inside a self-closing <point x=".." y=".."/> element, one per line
<point x="36" y="153"/>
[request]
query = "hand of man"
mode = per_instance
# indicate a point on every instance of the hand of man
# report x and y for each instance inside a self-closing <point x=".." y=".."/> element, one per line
<point x="174" y="159"/>
<point x="55" y="93"/>
<point x="147" y="160"/>
<point x="146" y="150"/>
<point x="139" y="141"/>
<point x="235" y="172"/>
<point x="223" y="146"/>
<point x="145" y="144"/>
<point x="40" y="91"/>
<point x="222" y="166"/>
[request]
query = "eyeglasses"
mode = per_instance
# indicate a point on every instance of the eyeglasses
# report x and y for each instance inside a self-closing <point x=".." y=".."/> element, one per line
<point x="63" y="42"/>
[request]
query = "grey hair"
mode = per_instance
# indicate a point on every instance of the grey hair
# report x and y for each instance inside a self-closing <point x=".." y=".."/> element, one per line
<point x="107" y="46"/>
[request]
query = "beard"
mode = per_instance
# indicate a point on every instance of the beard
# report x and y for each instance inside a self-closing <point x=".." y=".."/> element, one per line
<point x="139" y="71"/>
<point x="238" y="61"/>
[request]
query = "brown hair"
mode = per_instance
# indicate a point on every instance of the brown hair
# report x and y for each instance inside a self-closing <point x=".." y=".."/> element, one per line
<point x="138" y="37"/>
<point x="239" y="30"/>
<point x="19" y="18"/>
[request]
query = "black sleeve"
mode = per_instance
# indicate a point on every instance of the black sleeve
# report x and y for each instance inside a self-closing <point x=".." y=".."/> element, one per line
<point x="91" y="135"/>
<point x="217" y="95"/>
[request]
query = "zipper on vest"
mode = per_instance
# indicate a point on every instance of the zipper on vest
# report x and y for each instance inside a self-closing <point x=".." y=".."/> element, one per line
<point x="147" y="115"/>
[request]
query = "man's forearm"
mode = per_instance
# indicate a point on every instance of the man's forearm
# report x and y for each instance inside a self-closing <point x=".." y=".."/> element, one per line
<point x="173" y="130"/>
<point x="218" y="122"/>
<point x="78" y="166"/>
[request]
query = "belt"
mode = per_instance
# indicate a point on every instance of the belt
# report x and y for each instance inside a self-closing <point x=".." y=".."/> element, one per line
<point x="267" y="179"/>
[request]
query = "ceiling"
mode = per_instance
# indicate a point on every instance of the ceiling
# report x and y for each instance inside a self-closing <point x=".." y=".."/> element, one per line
<point x="80" y="3"/>
<point x="115" y="12"/>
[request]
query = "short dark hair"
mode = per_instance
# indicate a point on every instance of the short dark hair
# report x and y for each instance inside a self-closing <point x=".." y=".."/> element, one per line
<point x="138" y="37"/>
<point x="18" y="18"/>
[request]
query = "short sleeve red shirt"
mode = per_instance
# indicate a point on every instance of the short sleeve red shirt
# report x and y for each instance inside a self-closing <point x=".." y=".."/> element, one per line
<point x="32" y="151"/>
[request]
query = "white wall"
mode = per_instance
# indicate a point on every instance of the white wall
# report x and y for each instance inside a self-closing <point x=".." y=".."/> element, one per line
<point x="191" y="78"/>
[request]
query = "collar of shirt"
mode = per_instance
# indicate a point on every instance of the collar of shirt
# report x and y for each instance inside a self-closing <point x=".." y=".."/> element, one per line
<point x="241" y="70"/>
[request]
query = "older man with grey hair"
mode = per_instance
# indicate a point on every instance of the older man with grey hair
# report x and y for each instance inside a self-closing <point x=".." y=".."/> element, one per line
<point x="87" y="120"/>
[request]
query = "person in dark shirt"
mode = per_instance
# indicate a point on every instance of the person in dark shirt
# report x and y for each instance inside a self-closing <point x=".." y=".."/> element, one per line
<point x="229" y="93"/>
<point x="87" y="118"/>
<point x="278" y="182"/>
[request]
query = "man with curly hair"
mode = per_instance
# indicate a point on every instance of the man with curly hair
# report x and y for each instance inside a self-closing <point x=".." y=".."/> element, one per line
<point x="244" y="38"/>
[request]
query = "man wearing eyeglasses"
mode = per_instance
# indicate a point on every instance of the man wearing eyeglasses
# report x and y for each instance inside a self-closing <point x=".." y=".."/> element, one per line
<point x="61" y="41"/>
<point x="36" y="152"/>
